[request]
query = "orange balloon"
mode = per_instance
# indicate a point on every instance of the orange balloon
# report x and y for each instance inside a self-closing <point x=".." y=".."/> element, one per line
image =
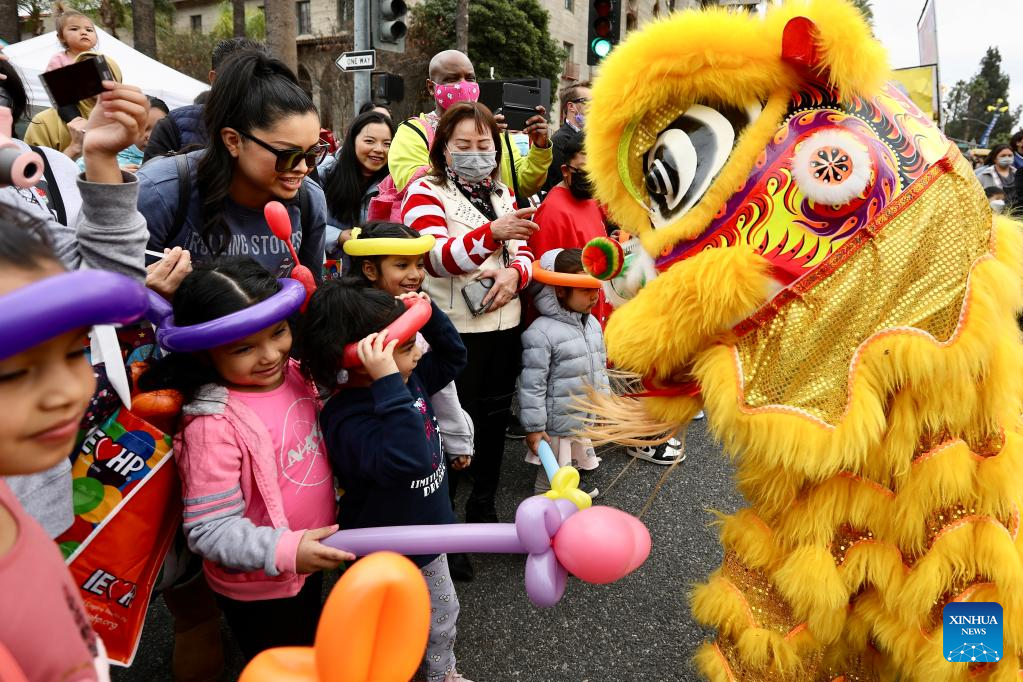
<point x="375" y="623"/>
<point x="10" y="671"/>
<point x="373" y="628"/>
<point x="283" y="664"/>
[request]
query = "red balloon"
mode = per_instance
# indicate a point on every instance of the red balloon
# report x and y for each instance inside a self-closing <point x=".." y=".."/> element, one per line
<point x="278" y="219"/>
<point x="601" y="544"/>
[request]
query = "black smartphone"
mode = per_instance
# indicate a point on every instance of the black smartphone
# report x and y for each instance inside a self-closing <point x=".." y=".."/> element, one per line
<point x="69" y="85"/>
<point x="474" y="292"/>
<point x="519" y="103"/>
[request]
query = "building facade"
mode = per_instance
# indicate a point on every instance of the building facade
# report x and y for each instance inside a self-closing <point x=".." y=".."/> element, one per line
<point x="325" y="31"/>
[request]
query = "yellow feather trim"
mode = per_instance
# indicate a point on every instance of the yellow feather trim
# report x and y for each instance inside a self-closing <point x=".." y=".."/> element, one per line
<point x="720" y="604"/>
<point x="712" y="664"/>
<point x="810" y="582"/>
<point x="687" y="296"/>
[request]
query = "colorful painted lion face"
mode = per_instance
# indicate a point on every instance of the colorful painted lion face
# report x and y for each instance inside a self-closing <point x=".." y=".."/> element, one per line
<point x="774" y="140"/>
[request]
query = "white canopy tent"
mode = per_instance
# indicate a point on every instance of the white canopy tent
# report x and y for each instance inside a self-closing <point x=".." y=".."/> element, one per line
<point x="156" y="79"/>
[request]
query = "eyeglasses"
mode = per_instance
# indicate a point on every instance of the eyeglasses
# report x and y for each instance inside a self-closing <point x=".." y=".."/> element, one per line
<point x="574" y="169"/>
<point x="580" y="100"/>
<point x="288" y="159"/>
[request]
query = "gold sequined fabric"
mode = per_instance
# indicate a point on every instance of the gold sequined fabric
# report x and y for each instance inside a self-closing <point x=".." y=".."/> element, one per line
<point x="911" y="274"/>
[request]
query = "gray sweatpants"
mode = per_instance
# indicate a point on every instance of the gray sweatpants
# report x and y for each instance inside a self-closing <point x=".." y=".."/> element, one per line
<point x="440" y="648"/>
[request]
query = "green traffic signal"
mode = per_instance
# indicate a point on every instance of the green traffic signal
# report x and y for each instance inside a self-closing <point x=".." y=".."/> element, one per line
<point x="601" y="47"/>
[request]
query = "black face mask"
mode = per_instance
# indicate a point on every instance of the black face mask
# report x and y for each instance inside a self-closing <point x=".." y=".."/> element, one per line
<point x="580" y="186"/>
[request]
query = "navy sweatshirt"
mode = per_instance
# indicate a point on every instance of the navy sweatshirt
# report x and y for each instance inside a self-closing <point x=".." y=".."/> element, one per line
<point x="384" y="443"/>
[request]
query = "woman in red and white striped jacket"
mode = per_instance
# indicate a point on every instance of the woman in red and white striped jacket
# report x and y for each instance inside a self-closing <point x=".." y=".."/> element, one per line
<point x="480" y="236"/>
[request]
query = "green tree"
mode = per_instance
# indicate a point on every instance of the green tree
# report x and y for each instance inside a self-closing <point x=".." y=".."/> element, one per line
<point x="967" y="103"/>
<point x="864" y="7"/>
<point x="255" y="23"/>
<point x="511" y="37"/>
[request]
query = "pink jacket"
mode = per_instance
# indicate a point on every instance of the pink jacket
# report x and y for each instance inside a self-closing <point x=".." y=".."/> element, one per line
<point x="233" y="509"/>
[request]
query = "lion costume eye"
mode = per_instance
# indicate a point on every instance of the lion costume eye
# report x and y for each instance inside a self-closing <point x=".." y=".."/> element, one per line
<point x="688" y="155"/>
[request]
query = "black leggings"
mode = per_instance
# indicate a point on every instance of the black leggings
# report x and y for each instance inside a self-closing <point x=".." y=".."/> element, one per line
<point x="485" y="390"/>
<point x="268" y="623"/>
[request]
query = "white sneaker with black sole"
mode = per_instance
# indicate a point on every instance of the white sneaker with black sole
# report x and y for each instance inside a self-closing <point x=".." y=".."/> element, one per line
<point x="664" y="454"/>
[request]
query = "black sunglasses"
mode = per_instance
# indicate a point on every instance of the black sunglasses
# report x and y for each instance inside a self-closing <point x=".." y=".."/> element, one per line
<point x="288" y="159"/>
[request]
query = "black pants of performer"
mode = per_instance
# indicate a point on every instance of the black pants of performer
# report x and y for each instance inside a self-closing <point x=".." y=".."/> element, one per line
<point x="485" y="390"/>
<point x="269" y="623"/>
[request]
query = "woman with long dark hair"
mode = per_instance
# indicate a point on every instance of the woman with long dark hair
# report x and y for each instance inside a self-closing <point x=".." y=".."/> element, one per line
<point x="351" y="176"/>
<point x="263" y="133"/>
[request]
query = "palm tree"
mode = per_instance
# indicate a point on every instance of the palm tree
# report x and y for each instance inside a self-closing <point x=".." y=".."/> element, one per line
<point x="281" y="31"/>
<point x="9" y="30"/>
<point x="143" y="20"/>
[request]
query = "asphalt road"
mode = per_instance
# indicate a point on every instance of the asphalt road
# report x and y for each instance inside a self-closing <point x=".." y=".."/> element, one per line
<point x="637" y="629"/>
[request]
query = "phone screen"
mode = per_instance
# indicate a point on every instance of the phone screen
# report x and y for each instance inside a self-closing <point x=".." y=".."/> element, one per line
<point x="75" y="82"/>
<point x="519" y="104"/>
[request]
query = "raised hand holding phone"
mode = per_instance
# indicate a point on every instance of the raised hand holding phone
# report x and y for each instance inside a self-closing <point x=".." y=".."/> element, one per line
<point x="115" y="123"/>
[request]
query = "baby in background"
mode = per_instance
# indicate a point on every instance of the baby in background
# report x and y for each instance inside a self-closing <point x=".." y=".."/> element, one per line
<point x="76" y="33"/>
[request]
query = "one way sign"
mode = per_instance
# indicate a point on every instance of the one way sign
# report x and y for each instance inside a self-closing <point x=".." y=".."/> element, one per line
<point x="363" y="60"/>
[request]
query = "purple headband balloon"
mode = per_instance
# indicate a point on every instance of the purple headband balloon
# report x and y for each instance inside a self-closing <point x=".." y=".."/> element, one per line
<point x="228" y="328"/>
<point x="598" y="544"/>
<point x="56" y="305"/>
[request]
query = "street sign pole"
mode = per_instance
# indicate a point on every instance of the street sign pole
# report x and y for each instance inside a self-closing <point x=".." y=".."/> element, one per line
<point x="362" y="42"/>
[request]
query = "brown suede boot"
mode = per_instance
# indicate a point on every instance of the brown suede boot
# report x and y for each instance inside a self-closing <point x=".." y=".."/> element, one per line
<point x="198" y="646"/>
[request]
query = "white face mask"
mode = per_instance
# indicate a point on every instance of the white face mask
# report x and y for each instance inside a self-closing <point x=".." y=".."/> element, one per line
<point x="473" y="166"/>
<point x="1004" y="161"/>
<point x="997" y="205"/>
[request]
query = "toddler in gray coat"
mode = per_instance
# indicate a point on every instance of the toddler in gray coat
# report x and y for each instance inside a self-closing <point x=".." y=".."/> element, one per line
<point x="562" y="356"/>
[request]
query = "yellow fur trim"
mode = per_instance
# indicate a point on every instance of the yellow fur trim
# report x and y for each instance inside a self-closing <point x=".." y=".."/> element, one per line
<point x="748" y="536"/>
<point x="721" y="605"/>
<point x="711" y="662"/>
<point x="716" y="57"/>
<point x="688" y="296"/>
<point x="810" y="582"/>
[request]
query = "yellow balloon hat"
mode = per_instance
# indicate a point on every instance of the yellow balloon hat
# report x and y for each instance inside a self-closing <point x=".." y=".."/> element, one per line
<point x="387" y="246"/>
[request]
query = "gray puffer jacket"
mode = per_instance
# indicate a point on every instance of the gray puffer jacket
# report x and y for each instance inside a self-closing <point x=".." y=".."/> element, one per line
<point x="562" y="356"/>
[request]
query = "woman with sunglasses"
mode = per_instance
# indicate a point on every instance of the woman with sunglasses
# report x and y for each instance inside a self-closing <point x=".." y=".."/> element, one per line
<point x="263" y="133"/>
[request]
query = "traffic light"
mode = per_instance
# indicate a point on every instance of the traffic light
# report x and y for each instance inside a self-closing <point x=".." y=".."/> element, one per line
<point x="387" y="87"/>
<point x="604" y="29"/>
<point x="389" y="27"/>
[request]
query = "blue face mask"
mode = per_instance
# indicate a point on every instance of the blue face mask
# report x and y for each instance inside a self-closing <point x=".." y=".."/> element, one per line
<point x="580" y="120"/>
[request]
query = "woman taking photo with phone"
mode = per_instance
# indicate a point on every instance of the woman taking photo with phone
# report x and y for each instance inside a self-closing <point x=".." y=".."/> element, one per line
<point x="351" y="176"/>
<point x="477" y="267"/>
<point x="263" y="135"/>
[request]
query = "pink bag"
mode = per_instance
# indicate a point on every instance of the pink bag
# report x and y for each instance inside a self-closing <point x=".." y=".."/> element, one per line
<point x="386" y="205"/>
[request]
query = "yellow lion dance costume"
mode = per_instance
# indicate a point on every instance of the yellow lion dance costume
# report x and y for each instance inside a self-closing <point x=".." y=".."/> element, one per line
<point x="820" y="267"/>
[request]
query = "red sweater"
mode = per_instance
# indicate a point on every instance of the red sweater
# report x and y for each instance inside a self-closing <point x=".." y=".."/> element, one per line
<point x="565" y="222"/>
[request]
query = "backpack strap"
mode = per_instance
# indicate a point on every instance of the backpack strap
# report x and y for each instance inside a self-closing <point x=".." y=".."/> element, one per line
<point x="420" y="133"/>
<point x="184" y="195"/>
<point x="305" y="208"/>
<point x="52" y="188"/>
<point x="514" y="174"/>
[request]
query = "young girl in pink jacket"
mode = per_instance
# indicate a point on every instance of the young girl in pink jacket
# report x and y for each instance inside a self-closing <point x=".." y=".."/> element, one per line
<point x="257" y="485"/>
